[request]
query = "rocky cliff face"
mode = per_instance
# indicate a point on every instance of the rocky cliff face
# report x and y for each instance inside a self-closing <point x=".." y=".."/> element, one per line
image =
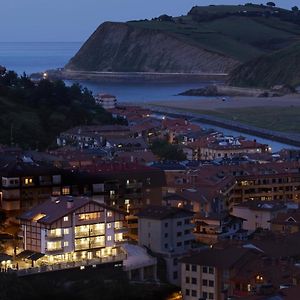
<point x="121" y="47"/>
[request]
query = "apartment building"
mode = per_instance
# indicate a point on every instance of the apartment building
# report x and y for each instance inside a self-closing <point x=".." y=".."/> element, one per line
<point x="207" y="274"/>
<point x="72" y="228"/>
<point x="26" y="184"/>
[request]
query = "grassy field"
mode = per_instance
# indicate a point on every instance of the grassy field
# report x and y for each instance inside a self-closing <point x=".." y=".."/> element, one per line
<point x="240" y="37"/>
<point x="278" y="119"/>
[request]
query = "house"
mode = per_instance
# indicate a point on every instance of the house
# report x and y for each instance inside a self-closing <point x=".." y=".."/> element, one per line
<point x="106" y="101"/>
<point x="212" y="228"/>
<point x="166" y="231"/>
<point x="66" y="229"/>
<point x="286" y="222"/>
<point x="258" y="214"/>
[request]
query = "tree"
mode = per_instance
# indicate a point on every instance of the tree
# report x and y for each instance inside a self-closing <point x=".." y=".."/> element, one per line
<point x="295" y="8"/>
<point x="271" y="4"/>
<point x="166" y="151"/>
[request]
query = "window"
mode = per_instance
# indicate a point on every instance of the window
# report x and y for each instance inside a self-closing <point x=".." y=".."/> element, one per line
<point x="109" y="214"/>
<point x="66" y="218"/>
<point x="186" y="243"/>
<point x="211" y="270"/>
<point x="175" y="261"/>
<point x="179" y="223"/>
<point x="179" y="244"/>
<point x="66" y="190"/>
<point x="211" y="283"/>
<point x="187" y="279"/>
<point x="175" y="275"/>
<point x="211" y="295"/>
<point x="89" y="216"/>
<point x="66" y="244"/>
<point x="166" y="235"/>
<point x="204" y="282"/>
<point x="194" y="280"/>
<point x="187" y="267"/>
<point x="108" y="225"/>
<point x="66" y="231"/>
<point x="204" y="269"/>
<point x="187" y="231"/>
<point x="187" y="292"/>
<point x="187" y="221"/>
<point x="109" y="238"/>
<point x="179" y="233"/>
<point x="28" y="181"/>
<point x="204" y="295"/>
<point x="166" y="224"/>
<point x="166" y="246"/>
<point x="194" y="293"/>
<point x="194" y="268"/>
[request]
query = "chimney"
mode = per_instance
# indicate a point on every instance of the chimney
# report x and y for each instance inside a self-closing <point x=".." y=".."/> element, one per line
<point x="70" y="203"/>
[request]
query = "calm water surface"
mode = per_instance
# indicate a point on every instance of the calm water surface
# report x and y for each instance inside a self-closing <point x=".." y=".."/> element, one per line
<point x="38" y="57"/>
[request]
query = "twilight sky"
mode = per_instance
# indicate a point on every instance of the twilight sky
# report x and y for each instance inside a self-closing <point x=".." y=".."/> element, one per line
<point x="75" y="20"/>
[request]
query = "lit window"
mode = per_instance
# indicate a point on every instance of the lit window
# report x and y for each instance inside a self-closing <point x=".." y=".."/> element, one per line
<point x="127" y="201"/>
<point x="109" y="214"/>
<point x="66" y="231"/>
<point x="109" y="225"/>
<point x="28" y="181"/>
<point x="109" y="238"/>
<point x="66" y="190"/>
<point x="90" y="216"/>
<point x="66" y="244"/>
<point x="66" y="218"/>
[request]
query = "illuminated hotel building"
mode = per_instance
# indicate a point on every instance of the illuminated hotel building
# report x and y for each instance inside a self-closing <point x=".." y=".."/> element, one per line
<point x="72" y="228"/>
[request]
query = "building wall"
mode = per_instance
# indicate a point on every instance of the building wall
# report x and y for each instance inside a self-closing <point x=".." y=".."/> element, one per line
<point x="254" y="218"/>
<point x="199" y="282"/>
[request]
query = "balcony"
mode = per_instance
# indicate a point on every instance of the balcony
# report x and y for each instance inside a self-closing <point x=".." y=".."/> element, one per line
<point x="54" y="251"/>
<point x="88" y="233"/>
<point x="54" y="236"/>
<point x="121" y="229"/>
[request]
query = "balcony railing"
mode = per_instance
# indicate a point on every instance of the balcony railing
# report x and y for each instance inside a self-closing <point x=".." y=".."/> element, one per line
<point x="72" y="265"/>
<point x="90" y="232"/>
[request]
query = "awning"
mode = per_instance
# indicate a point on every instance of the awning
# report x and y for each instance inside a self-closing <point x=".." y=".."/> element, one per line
<point x="27" y="254"/>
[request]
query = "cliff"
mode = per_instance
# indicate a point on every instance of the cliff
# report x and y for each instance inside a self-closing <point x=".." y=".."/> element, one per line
<point x="121" y="47"/>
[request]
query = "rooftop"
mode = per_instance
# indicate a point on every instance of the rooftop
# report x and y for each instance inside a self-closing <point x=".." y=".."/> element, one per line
<point x="163" y="212"/>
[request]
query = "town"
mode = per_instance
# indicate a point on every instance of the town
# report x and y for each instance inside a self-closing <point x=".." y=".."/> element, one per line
<point x="159" y="200"/>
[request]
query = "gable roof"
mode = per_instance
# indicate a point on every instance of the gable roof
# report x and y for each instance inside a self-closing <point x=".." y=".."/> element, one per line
<point x="54" y="209"/>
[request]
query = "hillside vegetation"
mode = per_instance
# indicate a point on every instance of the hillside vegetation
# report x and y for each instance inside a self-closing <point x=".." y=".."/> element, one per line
<point x="32" y="115"/>
<point x="280" y="67"/>
<point x="211" y="39"/>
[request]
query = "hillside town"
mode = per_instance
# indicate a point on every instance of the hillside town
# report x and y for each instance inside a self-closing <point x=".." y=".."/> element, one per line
<point x="221" y="221"/>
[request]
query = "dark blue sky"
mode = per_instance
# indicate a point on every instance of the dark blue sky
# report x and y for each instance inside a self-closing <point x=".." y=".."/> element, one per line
<point x="75" y="20"/>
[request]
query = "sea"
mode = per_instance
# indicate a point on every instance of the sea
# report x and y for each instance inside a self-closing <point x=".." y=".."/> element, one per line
<point x="39" y="57"/>
<point x="32" y="57"/>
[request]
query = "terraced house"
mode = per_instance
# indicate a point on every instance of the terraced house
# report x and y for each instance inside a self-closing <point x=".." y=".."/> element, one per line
<point x="72" y="228"/>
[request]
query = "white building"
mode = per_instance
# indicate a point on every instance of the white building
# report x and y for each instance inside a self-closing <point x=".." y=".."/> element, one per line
<point x="106" y="101"/>
<point x="68" y="229"/>
<point x="166" y="231"/>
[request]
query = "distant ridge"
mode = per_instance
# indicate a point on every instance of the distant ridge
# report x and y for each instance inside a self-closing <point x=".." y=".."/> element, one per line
<point x="209" y="39"/>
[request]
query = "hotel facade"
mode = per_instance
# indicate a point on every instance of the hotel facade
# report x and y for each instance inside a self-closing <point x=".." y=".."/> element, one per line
<point x="72" y="228"/>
